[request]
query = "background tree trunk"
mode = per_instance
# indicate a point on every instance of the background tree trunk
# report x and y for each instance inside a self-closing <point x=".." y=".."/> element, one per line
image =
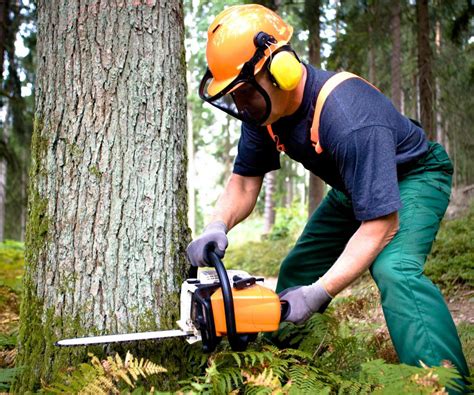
<point x="6" y="43"/>
<point x="4" y="10"/>
<point x="396" y="55"/>
<point x="312" y="13"/>
<point x="270" y="178"/>
<point x="425" y="75"/>
<point x="107" y="227"/>
<point x="440" y="138"/>
<point x="190" y="171"/>
<point x="269" y="210"/>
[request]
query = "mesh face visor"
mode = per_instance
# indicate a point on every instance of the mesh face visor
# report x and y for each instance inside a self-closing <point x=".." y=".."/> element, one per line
<point x="243" y="99"/>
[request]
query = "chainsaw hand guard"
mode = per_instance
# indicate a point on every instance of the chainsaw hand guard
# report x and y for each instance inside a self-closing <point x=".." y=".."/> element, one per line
<point x="238" y="342"/>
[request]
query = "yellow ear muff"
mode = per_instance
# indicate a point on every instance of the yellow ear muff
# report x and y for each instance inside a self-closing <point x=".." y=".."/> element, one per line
<point x="286" y="70"/>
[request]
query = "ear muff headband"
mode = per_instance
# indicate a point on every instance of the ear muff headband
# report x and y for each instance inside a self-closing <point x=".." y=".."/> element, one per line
<point x="284" y="66"/>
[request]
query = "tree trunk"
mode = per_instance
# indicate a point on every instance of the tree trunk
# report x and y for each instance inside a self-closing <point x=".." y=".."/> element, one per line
<point x="312" y="14"/>
<point x="269" y="210"/>
<point x="425" y="76"/>
<point x="439" y="119"/>
<point x="4" y="11"/>
<point x="371" y="43"/>
<point x="23" y="198"/>
<point x="190" y="173"/>
<point x="396" y="56"/>
<point x="107" y="229"/>
<point x="289" y="184"/>
<point x="270" y="178"/>
<point x="3" y="173"/>
<point x="5" y="42"/>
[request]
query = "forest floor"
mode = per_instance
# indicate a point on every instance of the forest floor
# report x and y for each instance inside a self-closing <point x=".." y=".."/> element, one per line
<point x="358" y="305"/>
<point x="357" y="310"/>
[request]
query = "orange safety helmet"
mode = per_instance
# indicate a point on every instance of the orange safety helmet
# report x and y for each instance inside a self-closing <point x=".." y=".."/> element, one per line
<point x="230" y="41"/>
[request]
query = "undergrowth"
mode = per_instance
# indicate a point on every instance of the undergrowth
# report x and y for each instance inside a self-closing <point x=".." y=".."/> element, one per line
<point x="344" y="351"/>
<point x="317" y="358"/>
<point x="451" y="262"/>
<point x="11" y="272"/>
<point x="11" y="265"/>
<point x="258" y="257"/>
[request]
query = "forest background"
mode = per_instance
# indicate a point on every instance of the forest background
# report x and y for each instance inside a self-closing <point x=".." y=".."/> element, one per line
<point x="420" y="54"/>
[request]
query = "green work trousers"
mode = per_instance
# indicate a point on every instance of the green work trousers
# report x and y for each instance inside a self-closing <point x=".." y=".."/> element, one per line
<point x="417" y="317"/>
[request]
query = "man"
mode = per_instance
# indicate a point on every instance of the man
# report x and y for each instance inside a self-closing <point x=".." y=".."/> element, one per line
<point x="390" y="186"/>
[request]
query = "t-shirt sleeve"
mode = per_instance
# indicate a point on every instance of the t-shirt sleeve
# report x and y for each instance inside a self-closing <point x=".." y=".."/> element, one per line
<point x="257" y="153"/>
<point x="367" y="164"/>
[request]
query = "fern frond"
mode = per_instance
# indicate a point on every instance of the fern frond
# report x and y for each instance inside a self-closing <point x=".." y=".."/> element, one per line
<point x="405" y="379"/>
<point x="263" y="383"/>
<point x="102" y="377"/>
<point x="7" y="376"/>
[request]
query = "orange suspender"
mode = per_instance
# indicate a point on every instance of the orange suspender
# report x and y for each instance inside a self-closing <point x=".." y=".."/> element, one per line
<point x="280" y="147"/>
<point x="325" y="91"/>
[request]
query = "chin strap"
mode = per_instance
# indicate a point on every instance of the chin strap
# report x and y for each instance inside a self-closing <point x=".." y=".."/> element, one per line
<point x="325" y="91"/>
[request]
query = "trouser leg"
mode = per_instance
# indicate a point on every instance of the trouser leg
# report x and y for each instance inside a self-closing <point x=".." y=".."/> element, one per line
<point x="418" y="319"/>
<point x="322" y="241"/>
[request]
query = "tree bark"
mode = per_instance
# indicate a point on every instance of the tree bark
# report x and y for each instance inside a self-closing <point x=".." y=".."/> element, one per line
<point x="4" y="11"/>
<point x="190" y="173"/>
<point x="5" y="132"/>
<point x="270" y="178"/>
<point x="396" y="56"/>
<point x="5" y="42"/>
<point x="269" y="210"/>
<point x="439" y="120"/>
<point x="371" y="43"/>
<point x="107" y="229"/>
<point x="425" y="75"/>
<point x="312" y="14"/>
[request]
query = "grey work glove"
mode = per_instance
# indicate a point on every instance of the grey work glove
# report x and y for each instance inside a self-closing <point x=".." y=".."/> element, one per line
<point x="304" y="301"/>
<point x="216" y="234"/>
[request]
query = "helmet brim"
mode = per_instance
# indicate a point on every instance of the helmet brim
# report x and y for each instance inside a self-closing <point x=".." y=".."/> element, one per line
<point x="216" y="86"/>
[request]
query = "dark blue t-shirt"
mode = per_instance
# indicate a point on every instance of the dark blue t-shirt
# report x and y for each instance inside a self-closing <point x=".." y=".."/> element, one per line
<point x="365" y="141"/>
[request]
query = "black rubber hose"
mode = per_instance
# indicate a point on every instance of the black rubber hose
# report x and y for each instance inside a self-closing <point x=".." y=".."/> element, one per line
<point x="237" y="342"/>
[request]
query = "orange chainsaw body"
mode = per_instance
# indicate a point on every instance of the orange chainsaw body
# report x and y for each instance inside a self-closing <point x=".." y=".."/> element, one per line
<point x="256" y="309"/>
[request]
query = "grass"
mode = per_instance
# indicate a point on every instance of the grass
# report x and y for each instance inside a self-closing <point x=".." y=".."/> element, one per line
<point x="11" y="265"/>
<point x="451" y="262"/>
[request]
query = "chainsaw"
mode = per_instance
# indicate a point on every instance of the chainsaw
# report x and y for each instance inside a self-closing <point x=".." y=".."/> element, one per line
<point x="210" y="308"/>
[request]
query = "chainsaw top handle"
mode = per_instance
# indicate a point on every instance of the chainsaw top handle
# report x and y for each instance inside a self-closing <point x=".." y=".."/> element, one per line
<point x="238" y="342"/>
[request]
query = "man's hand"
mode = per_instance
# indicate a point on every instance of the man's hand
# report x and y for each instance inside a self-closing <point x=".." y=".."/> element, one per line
<point x="304" y="301"/>
<point x="216" y="234"/>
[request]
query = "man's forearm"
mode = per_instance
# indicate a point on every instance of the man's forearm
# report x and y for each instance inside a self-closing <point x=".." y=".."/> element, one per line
<point x="238" y="200"/>
<point x="361" y="250"/>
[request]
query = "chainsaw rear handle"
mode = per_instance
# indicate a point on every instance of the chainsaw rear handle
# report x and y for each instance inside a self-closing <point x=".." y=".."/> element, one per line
<point x="238" y="342"/>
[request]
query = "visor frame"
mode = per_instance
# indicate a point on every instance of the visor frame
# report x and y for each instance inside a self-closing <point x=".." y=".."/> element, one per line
<point x="246" y="75"/>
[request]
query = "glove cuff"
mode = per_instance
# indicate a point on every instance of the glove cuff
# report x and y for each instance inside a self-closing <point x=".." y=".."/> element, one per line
<point x="316" y="296"/>
<point x="216" y="226"/>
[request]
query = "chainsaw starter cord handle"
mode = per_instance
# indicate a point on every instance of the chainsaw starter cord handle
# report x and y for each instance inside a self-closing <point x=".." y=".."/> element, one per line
<point x="237" y="342"/>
